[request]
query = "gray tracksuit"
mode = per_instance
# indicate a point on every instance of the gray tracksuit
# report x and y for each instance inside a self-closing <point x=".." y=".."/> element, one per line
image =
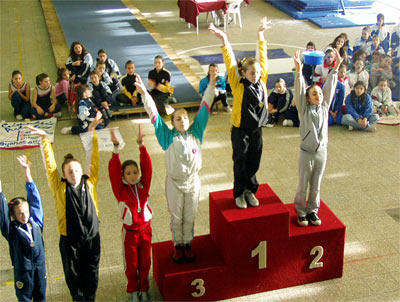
<point x="314" y="142"/>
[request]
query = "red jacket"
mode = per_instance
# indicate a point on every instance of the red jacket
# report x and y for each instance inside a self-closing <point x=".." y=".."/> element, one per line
<point x="132" y="218"/>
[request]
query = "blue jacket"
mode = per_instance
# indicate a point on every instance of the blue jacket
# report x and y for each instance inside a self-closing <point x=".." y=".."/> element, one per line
<point x="338" y="98"/>
<point x="220" y="84"/>
<point x="24" y="256"/>
<point x="356" y="109"/>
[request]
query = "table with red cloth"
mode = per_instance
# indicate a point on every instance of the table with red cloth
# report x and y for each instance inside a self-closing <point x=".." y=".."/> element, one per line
<point x="190" y="9"/>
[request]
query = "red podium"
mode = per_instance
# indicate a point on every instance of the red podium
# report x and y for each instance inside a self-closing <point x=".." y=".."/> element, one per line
<point x="252" y="250"/>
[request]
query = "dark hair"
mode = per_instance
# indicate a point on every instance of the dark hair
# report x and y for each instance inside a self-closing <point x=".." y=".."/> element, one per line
<point x="173" y="113"/>
<point x="15" y="202"/>
<point x="329" y="50"/>
<point x="382" y="79"/>
<point x="343" y="66"/>
<point x="40" y="78"/>
<point x="94" y="72"/>
<point x="100" y="63"/>
<point x="15" y="72"/>
<point x="357" y="55"/>
<point x="67" y="159"/>
<point x="60" y="72"/>
<point x="278" y="80"/>
<point x="129" y="62"/>
<point x="308" y="89"/>
<point x="79" y="94"/>
<point x="361" y="97"/>
<point x="367" y="28"/>
<point x="127" y="163"/>
<point x="376" y="53"/>
<point x="75" y="56"/>
<point x="159" y="57"/>
<point x="101" y="51"/>
<point x="209" y="66"/>
<point x="311" y="43"/>
<point x="244" y="64"/>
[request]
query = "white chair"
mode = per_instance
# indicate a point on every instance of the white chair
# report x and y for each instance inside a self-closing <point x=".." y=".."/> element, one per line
<point x="233" y="8"/>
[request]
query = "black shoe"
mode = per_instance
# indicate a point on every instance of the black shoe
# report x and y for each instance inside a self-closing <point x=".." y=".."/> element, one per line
<point x="313" y="219"/>
<point x="302" y="221"/>
<point x="188" y="253"/>
<point x="177" y="256"/>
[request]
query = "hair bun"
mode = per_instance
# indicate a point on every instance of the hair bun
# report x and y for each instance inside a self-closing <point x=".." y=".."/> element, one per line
<point x="68" y="156"/>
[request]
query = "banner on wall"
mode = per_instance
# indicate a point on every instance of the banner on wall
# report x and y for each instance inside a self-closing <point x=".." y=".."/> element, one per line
<point x="15" y="135"/>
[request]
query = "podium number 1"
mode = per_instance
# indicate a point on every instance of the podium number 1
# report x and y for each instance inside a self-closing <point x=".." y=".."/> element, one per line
<point x="261" y="251"/>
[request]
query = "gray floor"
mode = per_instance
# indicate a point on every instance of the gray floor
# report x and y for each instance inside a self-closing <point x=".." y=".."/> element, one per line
<point x="361" y="183"/>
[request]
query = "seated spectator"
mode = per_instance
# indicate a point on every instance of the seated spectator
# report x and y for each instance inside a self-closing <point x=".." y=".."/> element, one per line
<point x="19" y="93"/>
<point x="112" y="83"/>
<point x="344" y="79"/>
<point x="383" y="69"/>
<point x="279" y="102"/>
<point x="358" y="74"/>
<point x="79" y="63"/>
<point x="308" y="69"/>
<point x="382" y="99"/>
<point x="359" y="110"/>
<point x="101" y="94"/>
<point x="44" y="101"/>
<point x="129" y="94"/>
<point x="220" y="91"/>
<point x="321" y="71"/>
<point x="160" y="87"/>
<point x="335" y="109"/>
<point x="374" y="46"/>
<point x="380" y="30"/>
<point x="62" y="85"/>
<point x="364" y="41"/>
<point x="376" y="59"/>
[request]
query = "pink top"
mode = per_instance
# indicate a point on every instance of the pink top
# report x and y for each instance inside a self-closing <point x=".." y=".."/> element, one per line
<point x="62" y="87"/>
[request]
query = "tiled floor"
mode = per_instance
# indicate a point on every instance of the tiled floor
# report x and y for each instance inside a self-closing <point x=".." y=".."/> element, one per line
<point x="361" y="183"/>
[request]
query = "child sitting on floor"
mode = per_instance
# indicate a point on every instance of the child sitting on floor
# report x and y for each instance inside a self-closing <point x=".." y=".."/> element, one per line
<point x="62" y="85"/>
<point x="358" y="74"/>
<point x="101" y="94"/>
<point x="129" y="94"/>
<point x="382" y="98"/>
<point x="279" y="102"/>
<point x="19" y="93"/>
<point x="383" y="69"/>
<point x="321" y="71"/>
<point x="44" y="101"/>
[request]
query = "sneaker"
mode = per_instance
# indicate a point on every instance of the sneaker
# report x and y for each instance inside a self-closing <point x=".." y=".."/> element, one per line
<point x="144" y="296"/>
<point x="109" y="113"/>
<point x="287" y="123"/>
<point x="188" y="253"/>
<point x="172" y="100"/>
<point x="350" y="128"/>
<point x="57" y="114"/>
<point x="19" y="117"/>
<point x="177" y="256"/>
<point x="251" y="199"/>
<point x="241" y="202"/>
<point x="302" y="221"/>
<point x="371" y="129"/>
<point x="227" y="109"/>
<point x="134" y="297"/>
<point x="66" y="130"/>
<point x="270" y="125"/>
<point x="313" y="218"/>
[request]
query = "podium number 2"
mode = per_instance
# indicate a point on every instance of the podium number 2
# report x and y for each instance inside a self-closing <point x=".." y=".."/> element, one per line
<point x="199" y="283"/>
<point x="261" y="251"/>
<point x="319" y="250"/>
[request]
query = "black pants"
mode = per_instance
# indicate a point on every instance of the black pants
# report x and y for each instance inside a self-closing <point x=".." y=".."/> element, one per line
<point x="247" y="149"/>
<point x="221" y="97"/>
<point x="160" y="98"/>
<point x="81" y="267"/>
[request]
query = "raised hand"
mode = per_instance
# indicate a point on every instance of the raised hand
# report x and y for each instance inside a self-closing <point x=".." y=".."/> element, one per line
<point x="338" y="59"/>
<point x="23" y="161"/>
<point x="114" y="138"/>
<point x="297" y="61"/>
<point x="264" y="24"/>
<point x="139" y="138"/>
<point x="37" y="131"/>
<point x="140" y="85"/>
<point x="218" y="33"/>
<point x="96" y="121"/>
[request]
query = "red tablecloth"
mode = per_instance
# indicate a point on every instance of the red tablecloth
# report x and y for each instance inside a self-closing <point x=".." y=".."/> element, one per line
<point x="190" y="9"/>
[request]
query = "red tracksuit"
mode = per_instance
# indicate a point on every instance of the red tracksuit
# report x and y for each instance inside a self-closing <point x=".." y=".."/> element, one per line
<point x="135" y="215"/>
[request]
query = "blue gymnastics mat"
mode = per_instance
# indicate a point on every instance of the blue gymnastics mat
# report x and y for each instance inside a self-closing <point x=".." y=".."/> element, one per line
<point x="110" y="25"/>
<point x="277" y="53"/>
<point x="329" y="13"/>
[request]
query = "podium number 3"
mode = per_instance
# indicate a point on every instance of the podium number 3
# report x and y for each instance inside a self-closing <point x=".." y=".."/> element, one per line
<point x="319" y="250"/>
<point x="199" y="283"/>
<point x="261" y="251"/>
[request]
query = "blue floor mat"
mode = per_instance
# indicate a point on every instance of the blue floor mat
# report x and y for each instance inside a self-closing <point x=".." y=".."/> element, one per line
<point x="110" y="25"/>
<point x="218" y="59"/>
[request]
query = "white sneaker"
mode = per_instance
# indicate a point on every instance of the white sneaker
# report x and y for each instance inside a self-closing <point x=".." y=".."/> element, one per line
<point x="227" y="109"/>
<point x="302" y="221"/>
<point x="270" y="125"/>
<point x="251" y="199"/>
<point x="19" y="117"/>
<point x="134" y="297"/>
<point x="144" y="296"/>
<point x="241" y="202"/>
<point x="66" y="130"/>
<point x="57" y="114"/>
<point x="287" y="123"/>
<point x="371" y="129"/>
<point x="350" y="128"/>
